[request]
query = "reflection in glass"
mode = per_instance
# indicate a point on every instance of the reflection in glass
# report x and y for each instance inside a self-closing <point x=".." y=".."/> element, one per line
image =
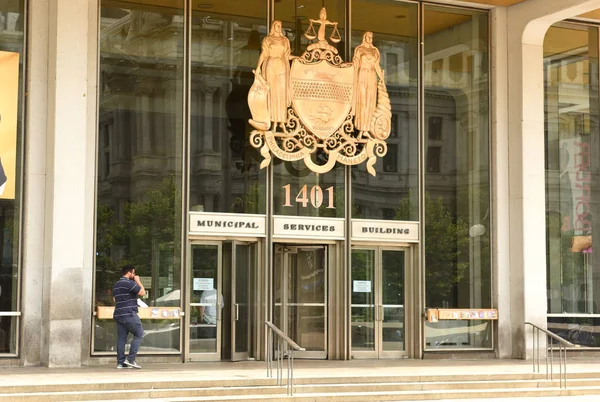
<point x="457" y="185"/>
<point x="301" y="286"/>
<point x="140" y="151"/>
<point x="393" y="194"/>
<point x="225" y="174"/>
<point x="363" y="301"/>
<point x="205" y="301"/>
<point x="242" y="308"/>
<point x="459" y="334"/>
<point x="297" y="191"/>
<point x="392" y="295"/>
<point x="12" y="18"/>
<point x="572" y="172"/>
<point x="296" y="21"/>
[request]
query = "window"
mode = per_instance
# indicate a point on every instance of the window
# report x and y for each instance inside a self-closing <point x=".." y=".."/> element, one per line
<point x="433" y="159"/>
<point x="12" y="54"/>
<point x="572" y="204"/>
<point x="457" y="264"/>
<point x="140" y="154"/>
<point x="435" y="128"/>
<point x="390" y="160"/>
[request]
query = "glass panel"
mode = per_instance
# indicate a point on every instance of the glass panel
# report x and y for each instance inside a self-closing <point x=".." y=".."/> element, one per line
<point x="572" y="178"/>
<point x="204" y="305"/>
<point x="393" y="195"/>
<point x="392" y="294"/>
<point x="582" y="331"/>
<point x="363" y="300"/>
<point x="296" y="20"/>
<point x="457" y="185"/>
<point x="242" y="294"/>
<point x="458" y="334"/>
<point x="306" y="326"/>
<point x="305" y="308"/>
<point x="159" y="336"/>
<point x="306" y="280"/>
<point x="140" y="149"/>
<point x="225" y="174"/>
<point x="296" y="189"/>
<point x="12" y="19"/>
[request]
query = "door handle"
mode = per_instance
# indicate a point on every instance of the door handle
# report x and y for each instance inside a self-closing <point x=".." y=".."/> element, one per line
<point x="381" y="313"/>
<point x="237" y="311"/>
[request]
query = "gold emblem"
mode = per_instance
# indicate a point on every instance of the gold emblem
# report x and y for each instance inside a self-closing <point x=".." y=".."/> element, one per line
<point x="319" y="102"/>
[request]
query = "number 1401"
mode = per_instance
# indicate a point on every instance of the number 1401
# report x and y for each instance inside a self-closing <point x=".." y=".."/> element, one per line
<point x="314" y="196"/>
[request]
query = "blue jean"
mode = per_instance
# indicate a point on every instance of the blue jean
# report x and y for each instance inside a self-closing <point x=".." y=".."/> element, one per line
<point x="125" y="325"/>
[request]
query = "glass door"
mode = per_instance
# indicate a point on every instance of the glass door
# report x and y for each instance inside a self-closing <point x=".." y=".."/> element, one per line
<point x="301" y="297"/>
<point x="205" y="302"/>
<point x="242" y="268"/>
<point x="378" y="303"/>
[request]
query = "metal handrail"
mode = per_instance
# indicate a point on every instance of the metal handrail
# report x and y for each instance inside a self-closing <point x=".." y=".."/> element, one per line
<point x="562" y="353"/>
<point x="285" y="347"/>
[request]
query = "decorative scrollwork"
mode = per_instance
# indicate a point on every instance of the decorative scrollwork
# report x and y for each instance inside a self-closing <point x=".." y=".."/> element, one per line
<point x="336" y="107"/>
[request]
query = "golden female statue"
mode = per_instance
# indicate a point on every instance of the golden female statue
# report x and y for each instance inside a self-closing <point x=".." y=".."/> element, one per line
<point x="366" y="71"/>
<point x="274" y="67"/>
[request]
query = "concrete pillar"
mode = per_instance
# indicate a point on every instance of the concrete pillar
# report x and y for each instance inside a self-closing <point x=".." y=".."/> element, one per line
<point x="34" y="183"/>
<point x="527" y="24"/>
<point x="60" y="182"/>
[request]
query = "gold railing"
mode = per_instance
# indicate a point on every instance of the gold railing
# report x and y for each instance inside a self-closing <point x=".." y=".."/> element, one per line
<point x="285" y="348"/>
<point x="551" y="340"/>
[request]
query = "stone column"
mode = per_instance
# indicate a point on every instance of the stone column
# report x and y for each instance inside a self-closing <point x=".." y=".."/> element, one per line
<point x="59" y="199"/>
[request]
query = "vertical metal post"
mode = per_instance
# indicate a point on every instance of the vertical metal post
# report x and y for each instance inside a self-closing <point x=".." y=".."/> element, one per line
<point x="552" y="361"/>
<point x="565" y="366"/>
<point x="538" y="350"/>
<point x="278" y="361"/>
<point x="533" y="346"/>
<point x="292" y="375"/>
<point x="548" y="340"/>
<point x="560" y="365"/>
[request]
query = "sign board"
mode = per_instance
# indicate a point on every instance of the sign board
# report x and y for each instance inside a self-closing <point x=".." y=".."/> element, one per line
<point x="438" y="314"/>
<point x="9" y="117"/>
<point x="361" y="286"/>
<point x="213" y="224"/>
<point x="301" y="227"/>
<point x="204" y="283"/>
<point x="145" y="313"/>
<point x="146" y="281"/>
<point x="385" y="231"/>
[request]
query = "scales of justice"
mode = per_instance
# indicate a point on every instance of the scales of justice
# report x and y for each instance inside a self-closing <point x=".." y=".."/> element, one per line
<point x="301" y="105"/>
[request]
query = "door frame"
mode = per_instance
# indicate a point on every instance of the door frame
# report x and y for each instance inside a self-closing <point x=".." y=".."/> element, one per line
<point x="409" y="303"/>
<point x="253" y="263"/>
<point x="285" y="259"/>
<point x="194" y="356"/>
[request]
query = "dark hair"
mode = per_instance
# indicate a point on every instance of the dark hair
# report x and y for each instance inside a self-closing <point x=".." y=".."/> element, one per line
<point x="127" y="269"/>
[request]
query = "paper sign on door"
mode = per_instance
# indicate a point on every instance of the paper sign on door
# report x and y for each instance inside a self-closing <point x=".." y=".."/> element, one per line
<point x="204" y="283"/>
<point x="361" y="286"/>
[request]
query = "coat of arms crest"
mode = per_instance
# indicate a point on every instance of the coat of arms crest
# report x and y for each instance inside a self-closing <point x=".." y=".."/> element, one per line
<point x="319" y="102"/>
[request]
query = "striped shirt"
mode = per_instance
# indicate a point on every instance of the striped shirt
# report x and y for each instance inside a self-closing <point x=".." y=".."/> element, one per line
<point x="125" y="293"/>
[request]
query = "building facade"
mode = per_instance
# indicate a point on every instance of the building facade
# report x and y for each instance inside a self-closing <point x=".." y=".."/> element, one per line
<point x="124" y="138"/>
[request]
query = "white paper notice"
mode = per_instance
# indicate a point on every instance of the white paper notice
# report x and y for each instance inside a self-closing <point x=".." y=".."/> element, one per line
<point x="361" y="286"/>
<point x="204" y="283"/>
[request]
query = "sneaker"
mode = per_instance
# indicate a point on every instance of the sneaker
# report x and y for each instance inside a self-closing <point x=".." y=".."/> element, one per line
<point x="132" y="364"/>
<point x="120" y="366"/>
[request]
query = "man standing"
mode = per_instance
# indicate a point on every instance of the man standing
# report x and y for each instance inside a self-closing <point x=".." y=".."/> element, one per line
<point x="125" y="294"/>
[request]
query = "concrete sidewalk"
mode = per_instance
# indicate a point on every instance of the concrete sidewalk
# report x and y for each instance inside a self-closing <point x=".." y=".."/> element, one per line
<point x="249" y="370"/>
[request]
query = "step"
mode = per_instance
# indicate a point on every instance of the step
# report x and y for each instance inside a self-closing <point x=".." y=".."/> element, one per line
<point x="273" y="391"/>
<point x="143" y="384"/>
<point x="525" y="394"/>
